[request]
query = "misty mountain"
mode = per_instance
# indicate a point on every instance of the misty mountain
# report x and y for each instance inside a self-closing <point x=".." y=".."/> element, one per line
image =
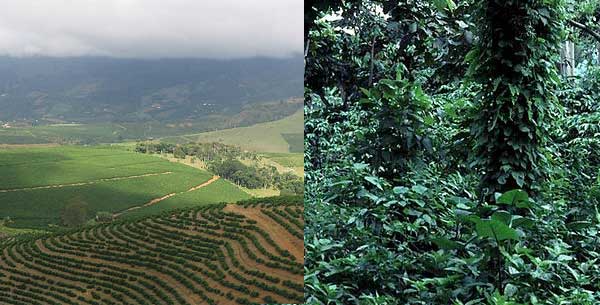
<point x="98" y="89"/>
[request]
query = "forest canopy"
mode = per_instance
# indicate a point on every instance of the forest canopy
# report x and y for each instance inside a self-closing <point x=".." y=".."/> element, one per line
<point x="452" y="152"/>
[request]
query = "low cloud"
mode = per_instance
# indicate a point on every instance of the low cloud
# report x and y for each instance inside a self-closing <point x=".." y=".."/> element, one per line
<point x="151" y="28"/>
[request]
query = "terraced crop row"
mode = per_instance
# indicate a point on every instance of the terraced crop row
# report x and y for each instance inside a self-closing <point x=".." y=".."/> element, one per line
<point x="221" y="254"/>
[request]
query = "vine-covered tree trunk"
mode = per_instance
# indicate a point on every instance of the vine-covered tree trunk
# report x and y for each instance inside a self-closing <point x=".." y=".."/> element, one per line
<point x="514" y="63"/>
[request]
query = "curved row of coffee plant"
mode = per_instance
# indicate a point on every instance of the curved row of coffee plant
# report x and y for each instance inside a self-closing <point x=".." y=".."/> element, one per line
<point x="206" y="255"/>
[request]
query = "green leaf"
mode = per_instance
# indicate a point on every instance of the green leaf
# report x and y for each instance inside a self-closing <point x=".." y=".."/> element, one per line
<point x="514" y="90"/>
<point x="419" y="189"/>
<point x="398" y="73"/>
<point x="471" y="55"/>
<point x="451" y="5"/>
<point x="502" y="216"/>
<point x="520" y="221"/>
<point x="440" y="4"/>
<point x="421" y="97"/>
<point x="513" y="197"/>
<point x="510" y="290"/>
<point x="376" y="181"/>
<point x="366" y="92"/>
<point x="399" y="190"/>
<point x="360" y="166"/>
<point x="412" y="28"/>
<point x="579" y="225"/>
<point x="519" y="177"/>
<point x="495" y="229"/>
<point x="462" y="24"/>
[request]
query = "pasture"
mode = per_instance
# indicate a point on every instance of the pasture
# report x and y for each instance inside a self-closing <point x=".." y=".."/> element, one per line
<point x="293" y="161"/>
<point x="280" y="136"/>
<point x="37" y="183"/>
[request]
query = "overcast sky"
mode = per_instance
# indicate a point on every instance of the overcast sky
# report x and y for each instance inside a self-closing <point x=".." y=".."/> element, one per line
<point x="151" y="28"/>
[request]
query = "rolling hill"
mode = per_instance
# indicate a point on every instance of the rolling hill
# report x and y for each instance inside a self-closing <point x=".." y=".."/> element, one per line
<point x="281" y="136"/>
<point x="37" y="184"/>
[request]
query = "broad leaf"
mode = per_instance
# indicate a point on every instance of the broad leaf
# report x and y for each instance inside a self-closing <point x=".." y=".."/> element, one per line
<point x="523" y="222"/>
<point x="495" y="229"/>
<point x="502" y="216"/>
<point x="517" y="198"/>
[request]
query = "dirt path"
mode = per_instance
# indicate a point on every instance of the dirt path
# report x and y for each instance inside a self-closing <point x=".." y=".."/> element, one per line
<point x="157" y="200"/>
<point x="82" y="183"/>
<point x="149" y="203"/>
<point x="213" y="179"/>
<point x="10" y="146"/>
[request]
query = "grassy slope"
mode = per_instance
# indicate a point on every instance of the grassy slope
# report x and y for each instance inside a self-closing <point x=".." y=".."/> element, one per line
<point x="294" y="161"/>
<point x="263" y="137"/>
<point x="27" y="167"/>
<point x="219" y="191"/>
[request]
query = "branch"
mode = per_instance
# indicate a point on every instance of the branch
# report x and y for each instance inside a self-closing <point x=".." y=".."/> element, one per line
<point x="307" y="46"/>
<point x="585" y="29"/>
<point x="372" y="62"/>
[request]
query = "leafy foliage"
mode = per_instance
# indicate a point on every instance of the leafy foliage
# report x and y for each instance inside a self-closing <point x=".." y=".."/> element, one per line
<point x="468" y="179"/>
<point x="513" y="63"/>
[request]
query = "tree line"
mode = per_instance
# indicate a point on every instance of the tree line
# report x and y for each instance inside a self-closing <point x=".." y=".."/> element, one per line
<point x="225" y="161"/>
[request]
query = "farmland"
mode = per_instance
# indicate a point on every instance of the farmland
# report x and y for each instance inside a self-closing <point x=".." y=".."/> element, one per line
<point x="112" y="132"/>
<point x="245" y="253"/>
<point x="37" y="183"/>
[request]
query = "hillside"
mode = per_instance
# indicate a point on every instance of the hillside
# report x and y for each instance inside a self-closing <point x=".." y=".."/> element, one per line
<point x="281" y="136"/>
<point x="92" y="89"/>
<point x="223" y="254"/>
<point x="39" y="183"/>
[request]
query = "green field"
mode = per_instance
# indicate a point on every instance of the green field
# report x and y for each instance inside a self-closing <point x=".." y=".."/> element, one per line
<point x="219" y="191"/>
<point x="200" y="255"/>
<point x="286" y="159"/>
<point x="36" y="183"/>
<point x="295" y="141"/>
<point x="280" y="136"/>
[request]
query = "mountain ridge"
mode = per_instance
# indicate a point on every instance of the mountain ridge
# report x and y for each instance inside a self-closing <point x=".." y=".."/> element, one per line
<point x="104" y="89"/>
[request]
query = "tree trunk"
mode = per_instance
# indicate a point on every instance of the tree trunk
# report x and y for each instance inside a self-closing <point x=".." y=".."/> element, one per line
<point x="567" y="62"/>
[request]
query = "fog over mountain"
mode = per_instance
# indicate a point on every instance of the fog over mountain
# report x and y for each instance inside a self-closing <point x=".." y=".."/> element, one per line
<point x="151" y="28"/>
<point x="135" y="60"/>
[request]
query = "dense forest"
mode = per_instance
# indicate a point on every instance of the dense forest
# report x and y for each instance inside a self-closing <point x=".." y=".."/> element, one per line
<point x="452" y="152"/>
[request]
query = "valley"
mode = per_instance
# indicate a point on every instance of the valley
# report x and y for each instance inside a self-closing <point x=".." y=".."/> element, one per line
<point x="150" y="154"/>
<point x="152" y="222"/>
<point x="284" y="116"/>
